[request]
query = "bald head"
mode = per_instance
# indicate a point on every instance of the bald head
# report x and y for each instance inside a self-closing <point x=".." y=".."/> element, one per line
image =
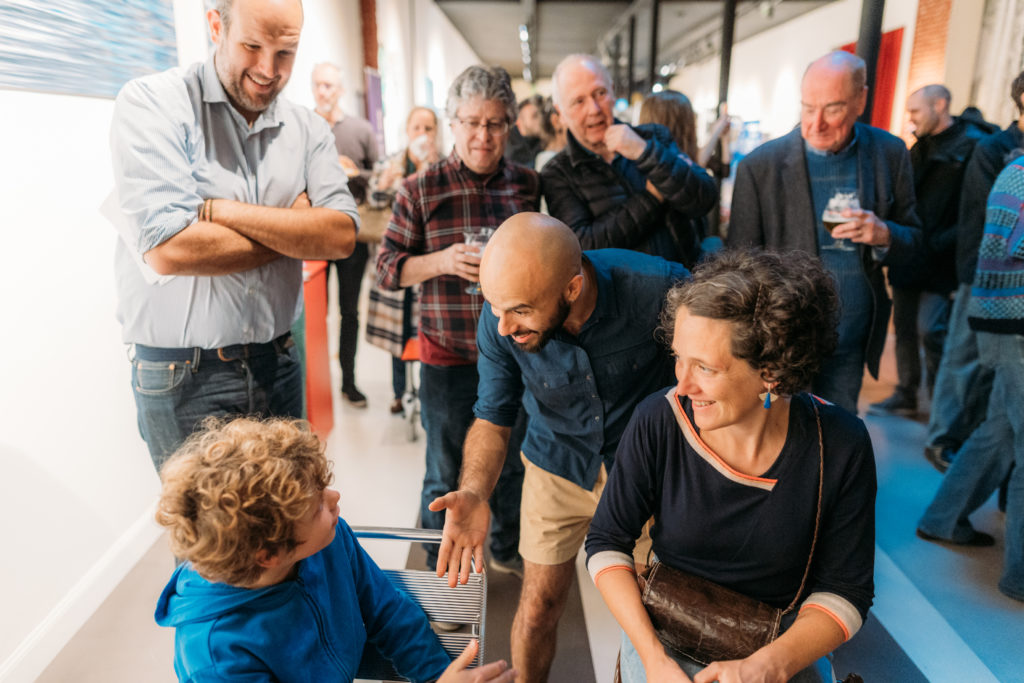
<point x="832" y="97"/>
<point x="532" y="247"/>
<point x="928" y="110"/>
<point x="531" y="275"/>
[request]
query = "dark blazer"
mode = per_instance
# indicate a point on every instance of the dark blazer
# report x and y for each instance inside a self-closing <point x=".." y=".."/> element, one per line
<point x="772" y="207"/>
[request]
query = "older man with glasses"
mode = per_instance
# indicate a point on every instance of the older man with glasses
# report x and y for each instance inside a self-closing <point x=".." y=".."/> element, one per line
<point x="785" y="188"/>
<point x="473" y="189"/>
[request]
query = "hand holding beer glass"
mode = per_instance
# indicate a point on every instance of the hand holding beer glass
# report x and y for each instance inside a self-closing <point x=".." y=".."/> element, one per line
<point x="476" y="238"/>
<point x="841" y="201"/>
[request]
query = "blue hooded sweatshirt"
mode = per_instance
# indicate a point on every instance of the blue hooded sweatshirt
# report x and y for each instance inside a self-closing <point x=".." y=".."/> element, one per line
<point x="310" y="628"/>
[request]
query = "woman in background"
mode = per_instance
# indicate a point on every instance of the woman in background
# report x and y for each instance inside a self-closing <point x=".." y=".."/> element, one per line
<point x="552" y="134"/>
<point x="390" y="321"/>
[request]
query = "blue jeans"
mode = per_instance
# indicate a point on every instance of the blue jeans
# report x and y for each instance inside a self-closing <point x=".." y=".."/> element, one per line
<point x="986" y="457"/>
<point x="842" y="373"/>
<point x="631" y="667"/>
<point x="919" y="319"/>
<point x="173" y="396"/>
<point x="962" y="385"/>
<point x="447" y="395"/>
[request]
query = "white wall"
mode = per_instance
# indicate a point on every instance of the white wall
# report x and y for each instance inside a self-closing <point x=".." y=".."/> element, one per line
<point x="764" y="83"/>
<point x="420" y="54"/>
<point x="76" y="483"/>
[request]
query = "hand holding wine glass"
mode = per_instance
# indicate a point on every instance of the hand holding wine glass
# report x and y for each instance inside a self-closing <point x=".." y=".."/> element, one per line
<point x="837" y="213"/>
<point x="476" y="239"/>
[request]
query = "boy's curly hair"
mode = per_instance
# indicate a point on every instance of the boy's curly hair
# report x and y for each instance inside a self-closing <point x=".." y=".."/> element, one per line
<point x="783" y="309"/>
<point x="238" y="487"/>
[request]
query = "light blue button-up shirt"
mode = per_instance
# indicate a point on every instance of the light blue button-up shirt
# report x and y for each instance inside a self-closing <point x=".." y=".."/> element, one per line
<point x="176" y="140"/>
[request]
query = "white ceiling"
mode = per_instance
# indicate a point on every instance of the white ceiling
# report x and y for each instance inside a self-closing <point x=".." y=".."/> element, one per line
<point x="688" y="30"/>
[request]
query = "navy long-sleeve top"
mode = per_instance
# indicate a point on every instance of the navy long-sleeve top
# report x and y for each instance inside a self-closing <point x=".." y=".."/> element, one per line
<point x="750" y="534"/>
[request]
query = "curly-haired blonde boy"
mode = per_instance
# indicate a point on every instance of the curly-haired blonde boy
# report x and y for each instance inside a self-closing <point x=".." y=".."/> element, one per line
<point x="274" y="585"/>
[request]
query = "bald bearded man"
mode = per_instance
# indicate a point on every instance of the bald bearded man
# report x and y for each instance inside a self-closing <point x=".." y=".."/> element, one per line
<point x="573" y="332"/>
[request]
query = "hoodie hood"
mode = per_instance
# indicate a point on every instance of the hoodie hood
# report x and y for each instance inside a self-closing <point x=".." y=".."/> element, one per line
<point x="189" y="598"/>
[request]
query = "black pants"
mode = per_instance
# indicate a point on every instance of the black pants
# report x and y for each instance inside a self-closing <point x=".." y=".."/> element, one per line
<point x="350" y="281"/>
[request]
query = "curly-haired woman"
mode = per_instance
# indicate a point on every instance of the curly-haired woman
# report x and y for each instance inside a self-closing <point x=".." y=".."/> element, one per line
<point x="727" y="462"/>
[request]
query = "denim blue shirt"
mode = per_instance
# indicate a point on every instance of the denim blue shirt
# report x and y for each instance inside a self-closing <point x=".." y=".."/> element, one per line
<point x="579" y="391"/>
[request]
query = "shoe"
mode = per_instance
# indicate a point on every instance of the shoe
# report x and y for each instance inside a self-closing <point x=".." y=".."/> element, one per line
<point x="978" y="539"/>
<point x="396" y="407"/>
<point x="939" y="456"/>
<point x="446" y="626"/>
<point x="900" y="404"/>
<point x="512" y="566"/>
<point x="355" y="397"/>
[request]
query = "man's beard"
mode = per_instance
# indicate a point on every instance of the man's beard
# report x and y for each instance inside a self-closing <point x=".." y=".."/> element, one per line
<point x="545" y="335"/>
<point x="233" y="86"/>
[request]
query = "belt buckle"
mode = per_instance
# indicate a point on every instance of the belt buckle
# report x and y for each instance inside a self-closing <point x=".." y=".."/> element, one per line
<point x="227" y="359"/>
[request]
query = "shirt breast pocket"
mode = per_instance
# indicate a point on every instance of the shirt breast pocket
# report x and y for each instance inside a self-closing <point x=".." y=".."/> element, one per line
<point x="553" y="390"/>
<point x="632" y="364"/>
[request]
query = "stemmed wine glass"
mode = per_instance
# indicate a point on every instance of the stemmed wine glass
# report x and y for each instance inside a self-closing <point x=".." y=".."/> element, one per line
<point x="476" y="237"/>
<point x="833" y="216"/>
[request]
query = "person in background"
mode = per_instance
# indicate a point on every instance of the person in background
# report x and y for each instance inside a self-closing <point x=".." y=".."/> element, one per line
<point x="473" y="188"/>
<point x="552" y="134"/>
<point x="995" y="449"/>
<point x="273" y="584"/>
<point x="524" y="138"/>
<point x="921" y="290"/>
<point x="209" y="266"/>
<point x="616" y="185"/>
<point x="390" y="320"/>
<point x="784" y="187"/>
<point x="729" y="460"/>
<point x="356" y="143"/>
<point x="963" y="384"/>
<point x="673" y="110"/>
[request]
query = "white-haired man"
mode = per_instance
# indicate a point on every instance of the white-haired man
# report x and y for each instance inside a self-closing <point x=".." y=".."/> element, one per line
<point x="616" y="185"/>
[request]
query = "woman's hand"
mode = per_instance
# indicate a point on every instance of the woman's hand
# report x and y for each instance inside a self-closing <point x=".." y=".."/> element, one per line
<point x="665" y="669"/>
<point x="757" y="668"/>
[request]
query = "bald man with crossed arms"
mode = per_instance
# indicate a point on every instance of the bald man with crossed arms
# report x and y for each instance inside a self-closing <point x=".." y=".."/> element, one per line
<point x="574" y="332"/>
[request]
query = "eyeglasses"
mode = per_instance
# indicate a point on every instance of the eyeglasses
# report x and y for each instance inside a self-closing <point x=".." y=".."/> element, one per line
<point x="493" y="127"/>
<point x="831" y="110"/>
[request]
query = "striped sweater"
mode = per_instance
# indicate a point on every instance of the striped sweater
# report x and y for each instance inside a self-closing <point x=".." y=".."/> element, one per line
<point x="997" y="297"/>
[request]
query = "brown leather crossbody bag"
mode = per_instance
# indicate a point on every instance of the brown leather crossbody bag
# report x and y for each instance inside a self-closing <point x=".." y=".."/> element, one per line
<point x="707" y="622"/>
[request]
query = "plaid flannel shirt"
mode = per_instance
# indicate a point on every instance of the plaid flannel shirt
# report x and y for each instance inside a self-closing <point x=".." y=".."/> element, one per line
<point x="430" y="212"/>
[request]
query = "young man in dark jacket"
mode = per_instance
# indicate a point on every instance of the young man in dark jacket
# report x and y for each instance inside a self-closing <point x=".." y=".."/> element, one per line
<point x="921" y="289"/>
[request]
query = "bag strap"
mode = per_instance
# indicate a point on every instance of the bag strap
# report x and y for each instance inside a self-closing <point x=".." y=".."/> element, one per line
<point x="817" y="514"/>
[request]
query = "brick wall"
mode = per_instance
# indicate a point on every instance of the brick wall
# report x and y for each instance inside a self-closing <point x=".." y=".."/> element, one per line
<point x="928" y="56"/>
<point x="368" y="20"/>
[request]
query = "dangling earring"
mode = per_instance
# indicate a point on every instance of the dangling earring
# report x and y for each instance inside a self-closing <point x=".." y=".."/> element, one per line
<point x="767" y="396"/>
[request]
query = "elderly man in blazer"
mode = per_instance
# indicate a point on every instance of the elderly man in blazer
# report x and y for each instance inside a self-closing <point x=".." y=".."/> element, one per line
<point x="784" y="187"/>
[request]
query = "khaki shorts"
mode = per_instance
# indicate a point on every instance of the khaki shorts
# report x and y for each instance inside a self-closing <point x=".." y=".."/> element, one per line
<point x="555" y="515"/>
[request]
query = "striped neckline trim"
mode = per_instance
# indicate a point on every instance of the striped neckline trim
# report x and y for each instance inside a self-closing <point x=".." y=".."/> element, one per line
<point x="705" y="452"/>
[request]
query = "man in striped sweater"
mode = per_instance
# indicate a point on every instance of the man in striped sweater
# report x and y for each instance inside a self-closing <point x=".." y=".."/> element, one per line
<point x="996" y="313"/>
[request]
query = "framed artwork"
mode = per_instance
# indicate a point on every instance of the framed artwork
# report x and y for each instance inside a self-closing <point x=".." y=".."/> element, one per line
<point x="84" y="47"/>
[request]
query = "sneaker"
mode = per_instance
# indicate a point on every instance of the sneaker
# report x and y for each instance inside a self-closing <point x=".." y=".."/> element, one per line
<point x="355" y="397"/>
<point x="512" y="566"/>
<point x="396" y="407"/>
<point x="900" y="403"/>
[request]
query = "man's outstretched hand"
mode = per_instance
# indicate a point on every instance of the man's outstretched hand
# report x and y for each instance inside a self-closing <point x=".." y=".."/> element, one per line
<point x="466" y="521"/>
<point x="495" y="672"/>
